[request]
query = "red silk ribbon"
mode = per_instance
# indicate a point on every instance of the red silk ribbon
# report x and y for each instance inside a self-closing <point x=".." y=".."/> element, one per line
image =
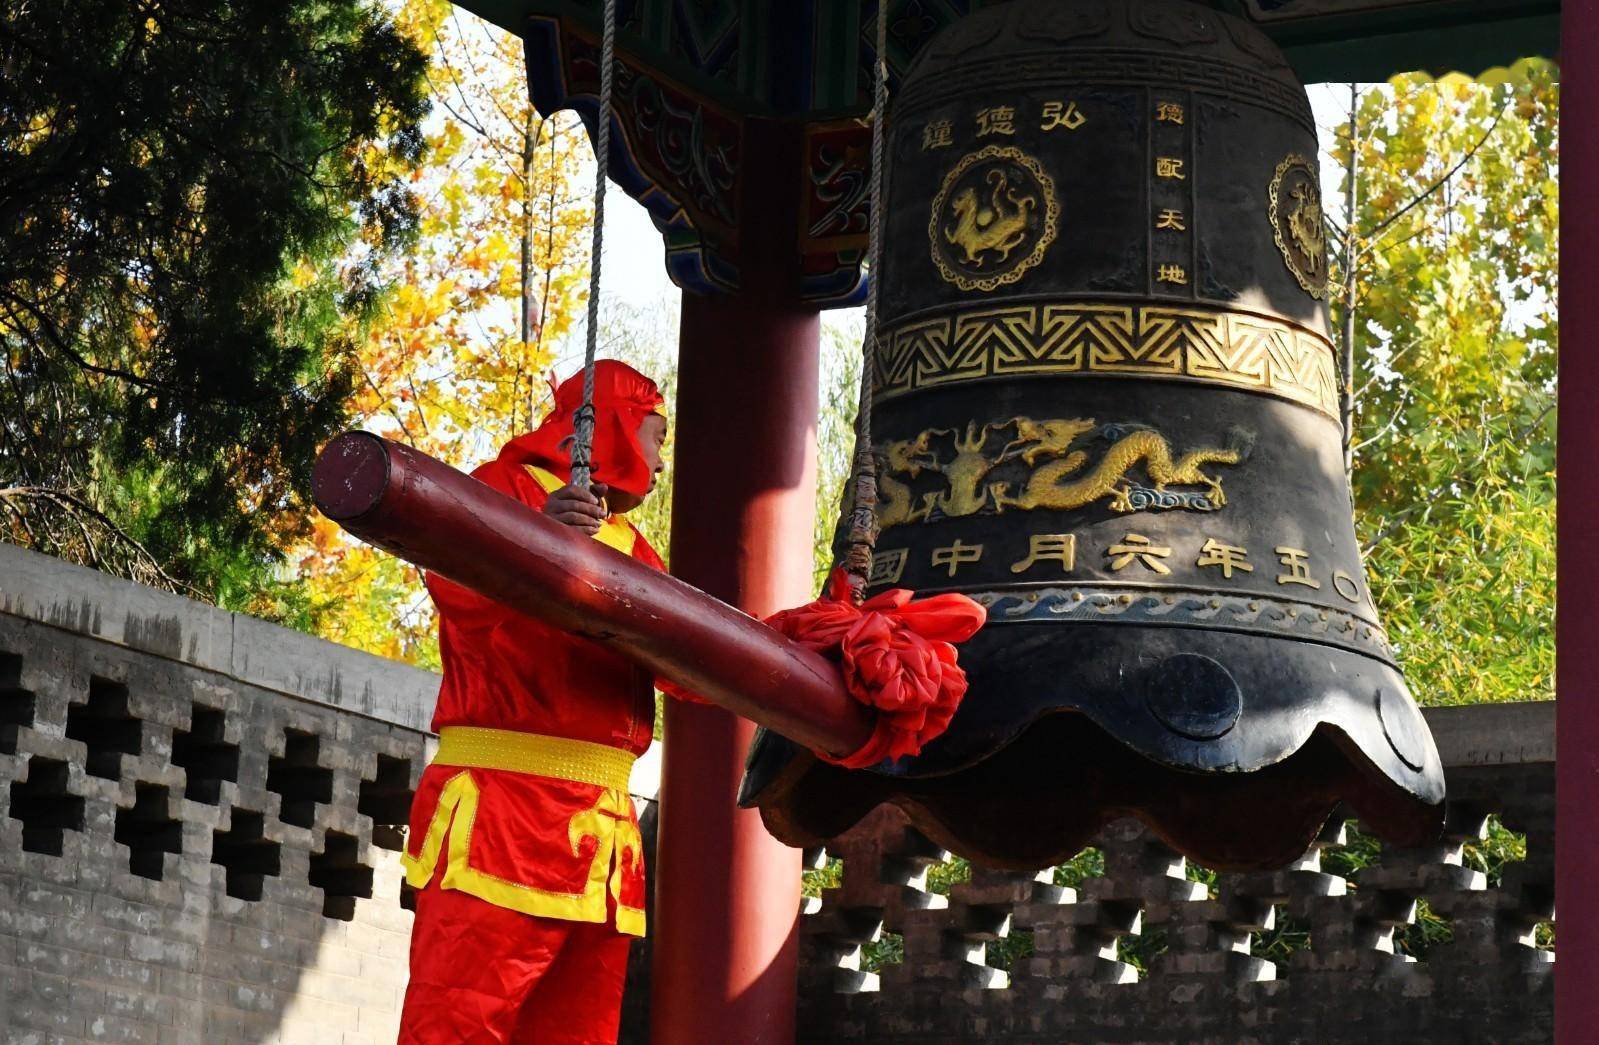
<point x="897" y="654"/>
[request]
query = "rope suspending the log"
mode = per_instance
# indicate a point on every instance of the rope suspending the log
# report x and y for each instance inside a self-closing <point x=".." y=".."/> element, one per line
<point x="583" y="440"/>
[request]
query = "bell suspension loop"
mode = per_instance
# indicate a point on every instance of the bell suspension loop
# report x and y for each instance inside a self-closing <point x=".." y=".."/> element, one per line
<point x="583" y="439"/>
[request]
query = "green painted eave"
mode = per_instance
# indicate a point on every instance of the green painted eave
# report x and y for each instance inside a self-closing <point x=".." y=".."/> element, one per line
<point x="1466" y="37"/>
<point x="1376" y="39"/>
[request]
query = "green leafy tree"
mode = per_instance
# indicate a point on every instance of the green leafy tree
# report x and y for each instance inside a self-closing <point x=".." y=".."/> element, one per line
<point x="191" y="193"/>
<point x="1454" y="240"/>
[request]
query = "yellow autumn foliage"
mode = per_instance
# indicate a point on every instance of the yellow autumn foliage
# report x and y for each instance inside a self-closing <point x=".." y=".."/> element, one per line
<point x="453" y="364"/>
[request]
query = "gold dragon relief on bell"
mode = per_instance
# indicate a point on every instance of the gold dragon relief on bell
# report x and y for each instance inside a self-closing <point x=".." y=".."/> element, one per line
<point x="1024" y="464"/>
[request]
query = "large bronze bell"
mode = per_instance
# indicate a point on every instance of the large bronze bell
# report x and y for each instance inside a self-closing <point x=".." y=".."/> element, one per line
<point x="1108" y="409"/>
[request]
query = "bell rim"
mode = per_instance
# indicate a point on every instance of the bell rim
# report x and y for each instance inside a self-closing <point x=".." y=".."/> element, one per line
<point x="1375" y="799"/>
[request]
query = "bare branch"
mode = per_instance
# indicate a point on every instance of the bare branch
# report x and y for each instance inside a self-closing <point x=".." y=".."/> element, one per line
<point x="388" y="408"/>
<point x="1333" y="226"/>
<point x="1532" y="426"/>
<point x="479" y="124"/>
<point x="1393" y="358"/>
<point x="1387" y="430"/>
<point x="509" y="118"/>
<point x="1389" y="249"/>
<point x="1394" y="522"/>
<point x="75" y="504"/>
<point x="421" y="414"/>
<point x="1377" y="232"/>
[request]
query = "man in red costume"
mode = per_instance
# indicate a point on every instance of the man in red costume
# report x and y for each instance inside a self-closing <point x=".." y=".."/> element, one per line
<point x="523" y="844"/>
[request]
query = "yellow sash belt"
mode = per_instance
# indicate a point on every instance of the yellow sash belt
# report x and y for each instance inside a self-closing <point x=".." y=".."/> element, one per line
<point x="560" y="758"/>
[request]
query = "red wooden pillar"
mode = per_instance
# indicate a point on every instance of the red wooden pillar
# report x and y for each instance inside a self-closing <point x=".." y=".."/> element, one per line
<point x="1577" y="610"/>
<point x="727" y="894"/>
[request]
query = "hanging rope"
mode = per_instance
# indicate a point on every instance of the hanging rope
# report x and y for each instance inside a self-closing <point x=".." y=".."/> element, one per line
<point x="583" y="440"/>
<point x="863" y="518"/>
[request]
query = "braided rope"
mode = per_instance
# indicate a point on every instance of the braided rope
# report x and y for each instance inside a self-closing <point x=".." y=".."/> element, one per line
<point x="863" y="517"/>
<point x="583" y="439"/>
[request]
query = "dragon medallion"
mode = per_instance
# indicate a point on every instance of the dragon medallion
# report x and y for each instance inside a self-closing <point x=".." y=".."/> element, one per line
<point x="993" y="219"/>
<point x="1297" y="221"/>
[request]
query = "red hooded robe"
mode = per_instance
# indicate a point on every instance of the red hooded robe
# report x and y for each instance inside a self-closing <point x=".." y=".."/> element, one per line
<point x="526" y="805"/>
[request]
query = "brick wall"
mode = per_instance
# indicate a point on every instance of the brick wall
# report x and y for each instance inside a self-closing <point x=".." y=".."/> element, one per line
<point x="1356" y="943"/>
<point x="198" y="820"/>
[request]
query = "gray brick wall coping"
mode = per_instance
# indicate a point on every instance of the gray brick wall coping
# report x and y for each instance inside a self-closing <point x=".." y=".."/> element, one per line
<point x="86" y="602"/>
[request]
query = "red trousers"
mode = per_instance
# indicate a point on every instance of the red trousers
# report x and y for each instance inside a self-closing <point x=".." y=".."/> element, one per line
<point x="482" y="974"/>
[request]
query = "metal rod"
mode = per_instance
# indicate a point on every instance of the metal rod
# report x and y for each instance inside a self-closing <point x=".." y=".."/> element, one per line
<point x="1351" y="286"/>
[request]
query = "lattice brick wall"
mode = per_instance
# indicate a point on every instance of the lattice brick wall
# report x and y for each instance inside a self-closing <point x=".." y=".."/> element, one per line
<point x="198" y="843"/>
<point x="1354" y="943"/>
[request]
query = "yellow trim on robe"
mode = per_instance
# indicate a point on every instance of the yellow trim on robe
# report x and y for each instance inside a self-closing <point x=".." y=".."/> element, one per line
<point x="614" y="531"/>
<point x="609" y="822"/>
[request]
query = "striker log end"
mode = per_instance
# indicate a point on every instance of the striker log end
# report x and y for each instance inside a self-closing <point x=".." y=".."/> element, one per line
<point x="350" y="476"/>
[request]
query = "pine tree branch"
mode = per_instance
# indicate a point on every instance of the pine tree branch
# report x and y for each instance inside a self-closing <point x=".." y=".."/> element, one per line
<point x="44" y="325"/>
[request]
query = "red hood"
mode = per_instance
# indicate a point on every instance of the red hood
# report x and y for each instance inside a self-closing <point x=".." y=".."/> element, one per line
<point x="623" y="397"/>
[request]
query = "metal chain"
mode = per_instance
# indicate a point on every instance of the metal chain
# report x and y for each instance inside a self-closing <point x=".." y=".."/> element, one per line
<point x="863" y="516"/>
<point x="583" y="421"/>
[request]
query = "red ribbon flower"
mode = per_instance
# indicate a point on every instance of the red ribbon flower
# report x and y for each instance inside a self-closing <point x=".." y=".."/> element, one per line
<point x="898" y="656"/>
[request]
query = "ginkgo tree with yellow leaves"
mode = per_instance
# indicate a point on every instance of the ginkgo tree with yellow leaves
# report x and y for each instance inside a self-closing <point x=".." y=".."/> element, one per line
<point x="1451" y="315"/>
<point x="455" y="360"/>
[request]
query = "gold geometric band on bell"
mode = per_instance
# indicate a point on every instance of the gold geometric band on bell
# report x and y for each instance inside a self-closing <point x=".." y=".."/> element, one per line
<point x="1227" y="348"/>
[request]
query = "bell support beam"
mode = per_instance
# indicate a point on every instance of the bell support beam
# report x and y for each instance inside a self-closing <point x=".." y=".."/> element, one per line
<point x="442" y="520"/>
<point x="727" y="894"/>
<point x="1577" y="600"/>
